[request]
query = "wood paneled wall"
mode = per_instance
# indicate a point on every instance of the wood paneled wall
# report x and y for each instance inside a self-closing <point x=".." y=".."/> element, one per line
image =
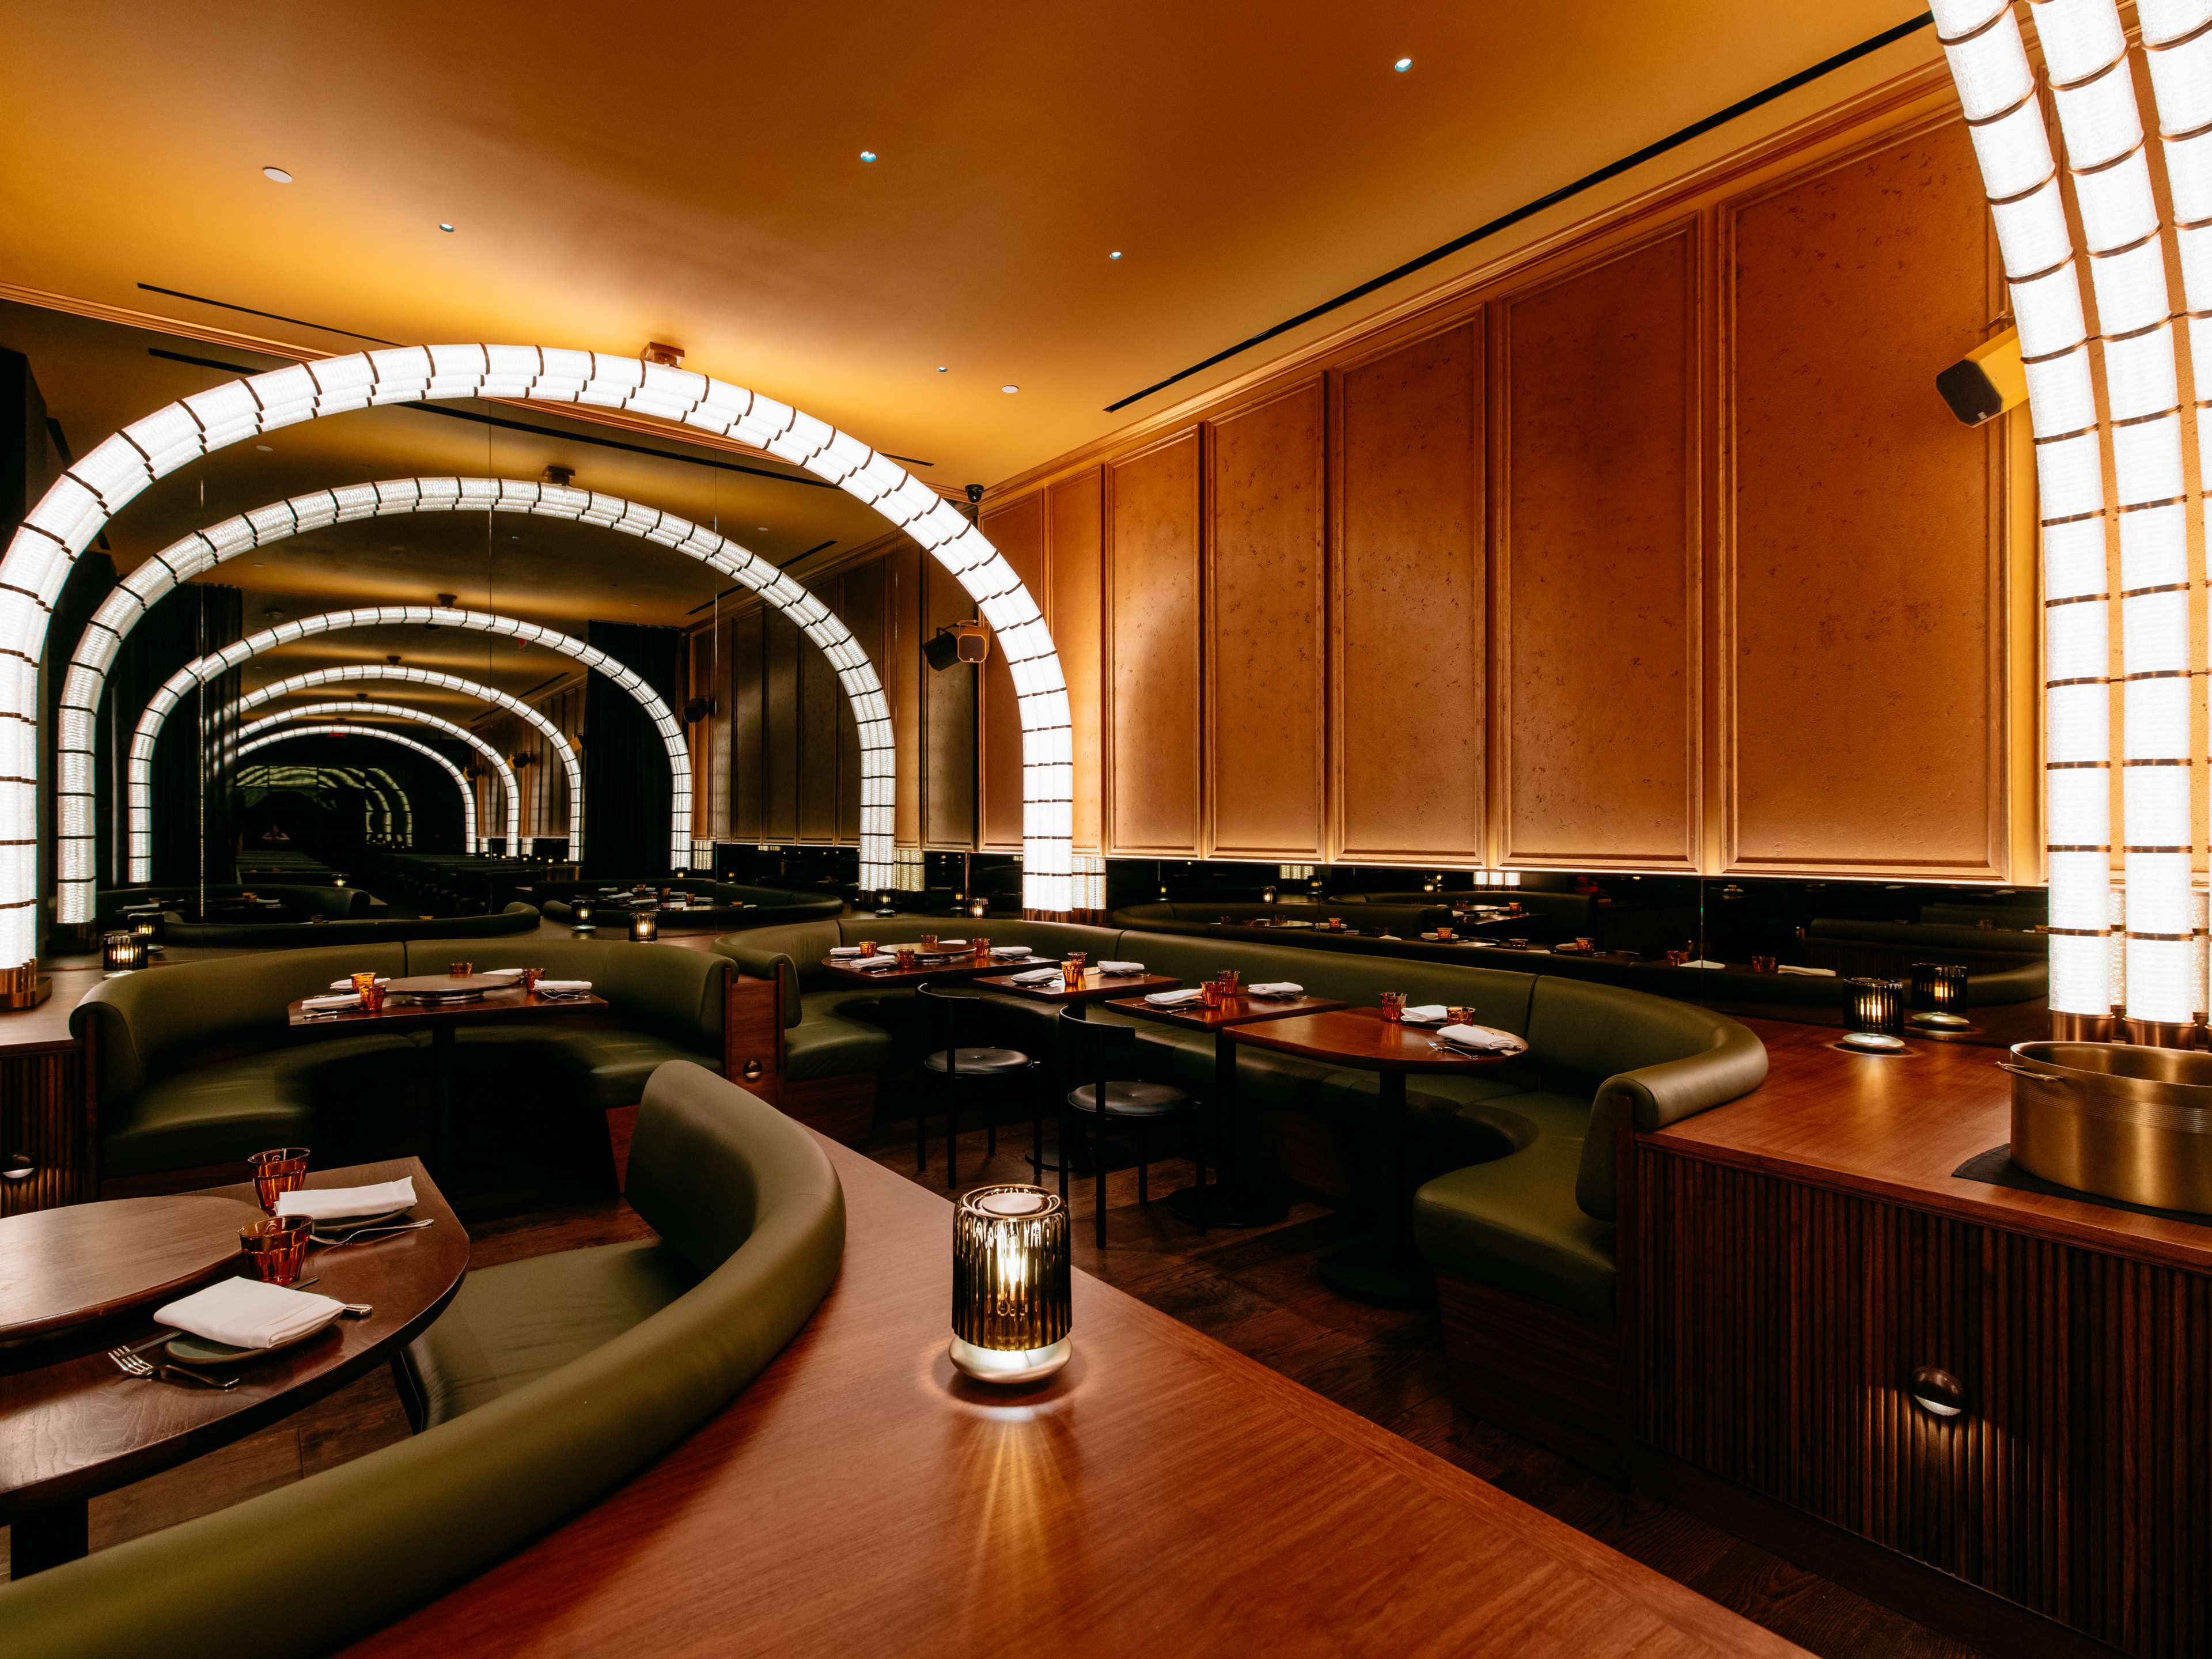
<point x="1656" y="553"/>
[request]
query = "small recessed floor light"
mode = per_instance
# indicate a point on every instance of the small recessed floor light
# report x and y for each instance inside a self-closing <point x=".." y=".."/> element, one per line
<point x="443" y="226"/>
<point x="1010" y="388"/>
<point x="264" y="449"/>
<point x="1402" y="64"/>
<point x="762" y="528"/>
<point x="1116" y="254"/>
<point x="867" y="156"/>
<point x="276" y="175"/>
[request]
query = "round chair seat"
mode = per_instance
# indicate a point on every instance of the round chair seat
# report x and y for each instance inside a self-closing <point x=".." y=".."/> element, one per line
<point x="982" y="1062"/>
<point x="1131" y="1099"/>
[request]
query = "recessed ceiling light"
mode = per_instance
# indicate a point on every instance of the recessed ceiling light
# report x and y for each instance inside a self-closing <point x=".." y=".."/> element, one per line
<point x="867" y="156"/>
<point x="443" y="226"/>
<point x="1116" y="254"/>
<point x="264" y="449"/>
<point x="276" y="175"/>
<point x="941" y="370"/>
<point x="762" y="528"/>
<point x="1010" y="388"/>
<point x="1402" y="64"/>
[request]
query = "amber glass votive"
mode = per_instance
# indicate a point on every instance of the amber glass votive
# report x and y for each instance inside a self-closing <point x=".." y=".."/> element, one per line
<point x="1765" y="965"/>
<point x="1229" y="979"/>
<point x="1874" y="1005"/>
<point x="460" y="969"/>
<point x="980" y="945"/>
<point x="120" y="952"/>
<point x="1454" y="1016"/>
<point x="1939" y="987"/>
<point x="1012" y="1285"/>
<point x="284" y="1169"/>
<point x="927" y="942"/>
<point x="372" y="999"/>
<point x="529" y="978"/>
<point x="1210" y="993"/>
<point x="1393" y="1007"/>
<point x="903" y="955"/>
<point x="275" y="1249"/>
<point x="361" y="981"/>
<point x="866" y="947"/>
<point x="644" y="926"/>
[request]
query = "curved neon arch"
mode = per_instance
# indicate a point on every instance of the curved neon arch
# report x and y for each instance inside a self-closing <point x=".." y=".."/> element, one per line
<point x="376" y="797"/>
<point x="204" y="550"/>
<point x="93" y="491"/>
<point x="140" y="769"/>
<point x="338" y="730"/>
<point x="354" y="709"/>
<point x="348" y="673"/>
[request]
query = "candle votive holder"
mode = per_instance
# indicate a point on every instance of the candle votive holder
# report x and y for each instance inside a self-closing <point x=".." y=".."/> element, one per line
<point x="1939" y="987"/>
<point x="275" y="1249"/>
<point x="282" y="1170"/>
<point x="1393" y="1007"/>
<point x="1874" y="1006"/>
<point x="1012" y="1285"/>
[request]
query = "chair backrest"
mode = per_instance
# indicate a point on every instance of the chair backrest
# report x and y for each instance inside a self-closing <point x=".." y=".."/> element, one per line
<point x="1094" y="1051"/>
<point x="955" y="1014"/>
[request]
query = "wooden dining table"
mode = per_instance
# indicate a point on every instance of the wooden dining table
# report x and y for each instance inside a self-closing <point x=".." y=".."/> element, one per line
<point x="960" y="964"/>
<point x="1242" y="1196"/>
<point x="1381" y="1267"/>
<point x="73" y="1425"/>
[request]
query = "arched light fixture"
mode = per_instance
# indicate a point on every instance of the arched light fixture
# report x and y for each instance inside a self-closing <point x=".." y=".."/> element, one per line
<point x="93" y="490"/>
<point x="372" y="784"/>
<point x="360" y="709"/>
<point x="140" y="768"/>
<point x="2131" y="426"/>
<point x="336" y="730"/>
<point x="203" y="550"/>
<point x="348" y="673"/>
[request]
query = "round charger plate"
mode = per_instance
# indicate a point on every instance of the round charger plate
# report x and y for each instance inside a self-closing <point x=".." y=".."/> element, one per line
<point x="189" y="1350"/>
<point x="1871" y="1042"/>
<point x="1939" y="1022"/>
<point x="1294" y="924"/>
<point x="337" y="1224"/>
<point x="448" y="985"/>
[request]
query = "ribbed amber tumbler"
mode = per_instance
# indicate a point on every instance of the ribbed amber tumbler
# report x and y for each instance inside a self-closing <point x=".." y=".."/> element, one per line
<point x="1012" y="1284"/>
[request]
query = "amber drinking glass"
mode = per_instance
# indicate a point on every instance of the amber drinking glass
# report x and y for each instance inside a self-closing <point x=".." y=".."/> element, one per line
<point x="903" y="955"/>
<point x="529" y="976"/>
<point x="980" y="945"/>
<point x="1210" y="993"/>
<point x="1765" y="965"/>
<point x="460" y="969"/>
<point x="284" y="1169"/>
<point x="1071" y="969"/>
<point x="275" y="1249"/>
<point x="1228" y="980"/>
<point x="1076" y="958"/>
<point x="1459" y="1016"/>
<point x="1394" y="1006"/>
<point x="372" y="999"/>
<point x="867" y="947"/>
<point x="362" y="981"/>
<point x="928" y="942"/>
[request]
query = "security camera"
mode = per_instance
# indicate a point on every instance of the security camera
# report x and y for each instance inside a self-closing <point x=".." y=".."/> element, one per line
<point x="1987" y="381"/>
<point x="975" y="494"/>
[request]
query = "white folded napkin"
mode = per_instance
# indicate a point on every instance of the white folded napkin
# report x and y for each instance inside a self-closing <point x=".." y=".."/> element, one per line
<point x="1427" y="1013"/>
<point x="1174" y="998"/>
<point x="346" y="984"/>
<point x="502" y="973"/>
<point x="325" y="1203"/>
<point x="844" y="950"/>
<point x="1792" y="968"/>
<point x="563" y="987"/>
<point x="876" y="960"/>
<point x="952" y="945"/>
<point x="1037" y="976"/>
<point x="247" y="1313"/>
<point x="1481" y="1038"/>
<point x="1702" y="963"/>
<point x="350" y="999"/>
<point x="1120" y="967"/>
<point x="1010" y="950"/>
<point x="1276" y="987"/>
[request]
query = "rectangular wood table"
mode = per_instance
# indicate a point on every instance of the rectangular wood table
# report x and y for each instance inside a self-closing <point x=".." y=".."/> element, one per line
<point x="1162" y="1495"/>
<point x="1093" y="987"/>
<point x="955" y="966"/>
<point x="1243" y="1196"/>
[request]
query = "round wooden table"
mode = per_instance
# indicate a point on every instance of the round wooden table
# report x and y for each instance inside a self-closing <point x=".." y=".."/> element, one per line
<point x="1381" y="1267"/>
<point x="72" y="1426"/>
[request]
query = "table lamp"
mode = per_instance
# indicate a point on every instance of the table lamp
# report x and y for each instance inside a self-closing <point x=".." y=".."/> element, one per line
<point x="1012" y="1285"/>
<point x="644" y="926"/>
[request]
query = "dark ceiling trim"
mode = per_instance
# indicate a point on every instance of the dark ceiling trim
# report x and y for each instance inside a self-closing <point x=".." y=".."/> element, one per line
<point x="1528" y="209"/>
<point x="273" y="316"/>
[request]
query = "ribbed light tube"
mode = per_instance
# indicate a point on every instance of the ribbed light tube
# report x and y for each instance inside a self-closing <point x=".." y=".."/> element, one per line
<point x="355" y="672"/>
<point x="402" y="821"/>
<point x="1997" y="90"/>
<point x="361" y="708"/>
<point x="202" y="550"/>
<point x="468" y="795"/>
<point x="95" y="489"/>
<point x="139" y="768"/>
<point x="379" y="818"/>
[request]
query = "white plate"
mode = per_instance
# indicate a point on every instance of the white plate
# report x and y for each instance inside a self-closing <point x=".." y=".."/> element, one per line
<point x="347" y="1223"/>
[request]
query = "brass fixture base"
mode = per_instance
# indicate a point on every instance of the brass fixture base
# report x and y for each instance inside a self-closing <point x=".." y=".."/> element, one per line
<point x="2082" y="1027"/>
<point x="2159" y="1033"/>
<point x="28" y="996"/>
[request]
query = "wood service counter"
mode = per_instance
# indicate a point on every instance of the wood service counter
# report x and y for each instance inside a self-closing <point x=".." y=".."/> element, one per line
<point x="1164" y="1494"/>
<point x="1791" y="1259"/>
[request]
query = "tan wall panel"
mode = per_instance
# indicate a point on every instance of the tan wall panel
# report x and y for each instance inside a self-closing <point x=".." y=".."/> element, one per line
<point x="1408" y="605"/>
<point x="1075" y="511"/>
<point x="1266" y="629"/>
<point x="948" y="720"/>
<point x="1018" y="531"/>
<point x="1862" y="616"/>
<point x="1597" y="567"/>
<point x="1152" y="605"/>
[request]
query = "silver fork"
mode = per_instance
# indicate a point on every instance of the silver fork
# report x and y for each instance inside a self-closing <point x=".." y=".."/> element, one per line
<point x="370" y="1232"/>
<point x="132" y="1365"/>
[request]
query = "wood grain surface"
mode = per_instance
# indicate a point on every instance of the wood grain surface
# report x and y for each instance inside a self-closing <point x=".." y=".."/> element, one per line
<point x="1164" y="1494"/>
<point x="72" y="1426"/>
<point x="1362" y="1037"/>
<point x="66" y="1267"/>
<point x="1239" y="1010"/>
<point x="1094" y="986"/>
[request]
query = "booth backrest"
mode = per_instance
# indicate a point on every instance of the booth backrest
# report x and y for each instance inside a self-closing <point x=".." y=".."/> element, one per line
<point x="1166" y="916"/>
<point x="144" y="1027"/>
<point x="677" y="993"/>
<point x="310" y="935"/>
<point x="743" y="1193"/>
<point x="1499" y="998"/>
<point x="314" y="901"/>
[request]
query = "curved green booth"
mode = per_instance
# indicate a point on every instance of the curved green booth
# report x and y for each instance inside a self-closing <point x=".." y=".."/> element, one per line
<point x="751" y="1225"/>
<point x="359" y="930"/>
<point x="716" y="906"/>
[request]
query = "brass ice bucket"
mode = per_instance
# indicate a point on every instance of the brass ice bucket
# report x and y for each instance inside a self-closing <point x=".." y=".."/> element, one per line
<point x="2110" y="1118"/>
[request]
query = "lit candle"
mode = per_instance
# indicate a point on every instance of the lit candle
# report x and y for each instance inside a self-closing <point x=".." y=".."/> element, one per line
<point x="1012" y="1285"/>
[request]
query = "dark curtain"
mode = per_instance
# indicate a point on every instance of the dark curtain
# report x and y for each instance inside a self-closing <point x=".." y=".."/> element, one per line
<point x="625" y="762"/>
<point x="187" y="622"/>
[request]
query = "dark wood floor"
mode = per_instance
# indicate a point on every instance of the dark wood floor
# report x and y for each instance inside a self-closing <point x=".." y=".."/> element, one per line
<point x="1256" y="1290"/>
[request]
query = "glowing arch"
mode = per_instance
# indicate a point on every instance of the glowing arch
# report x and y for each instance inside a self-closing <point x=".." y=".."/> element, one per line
<point x="375" y="797"/>
<point x="204" y="550"/>
<point x="93" y="491"/>
<point x="350" y="673"/>
<point x="335" y="730"/>
<point x="353" y="710"/>
<point x="140" y="770"/>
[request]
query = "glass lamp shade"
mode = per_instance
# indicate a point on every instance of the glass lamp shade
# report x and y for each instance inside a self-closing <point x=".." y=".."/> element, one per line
<point x="1012" y="1284"/>
<point x="581" y="910"/>
<point x="1874" y="1005"/>
<point x="644" y="926"/>
<point x="120" y="952"/>
<point x="978" y="907"/>
<point x="149" y="925"/>
<point x="1939" y="988"/>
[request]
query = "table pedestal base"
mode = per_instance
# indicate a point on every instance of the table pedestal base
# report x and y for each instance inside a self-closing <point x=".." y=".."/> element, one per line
<point x="48" y="1536"/>
<point x="1231" y="1204"/>
<point x="1377" y="1269"/>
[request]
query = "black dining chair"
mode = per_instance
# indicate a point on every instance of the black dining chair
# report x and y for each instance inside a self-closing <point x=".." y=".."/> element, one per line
<point x="1102" y="1062"/>
<point x="959" y="1065"/>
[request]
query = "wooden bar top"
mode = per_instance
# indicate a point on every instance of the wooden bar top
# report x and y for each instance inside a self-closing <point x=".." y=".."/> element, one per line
<point x="1896" y="1128"/>
<point x="1164" y="1494"/>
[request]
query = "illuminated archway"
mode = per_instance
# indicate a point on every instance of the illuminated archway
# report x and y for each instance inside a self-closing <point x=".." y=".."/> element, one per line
<point x="350" y="673"/>
<point x="372" y="784"/>
<point x="93" y="491"/>
<point x="335" y="730"/>
<point x="354" y="710"/>
<point x="140" y="768"/>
